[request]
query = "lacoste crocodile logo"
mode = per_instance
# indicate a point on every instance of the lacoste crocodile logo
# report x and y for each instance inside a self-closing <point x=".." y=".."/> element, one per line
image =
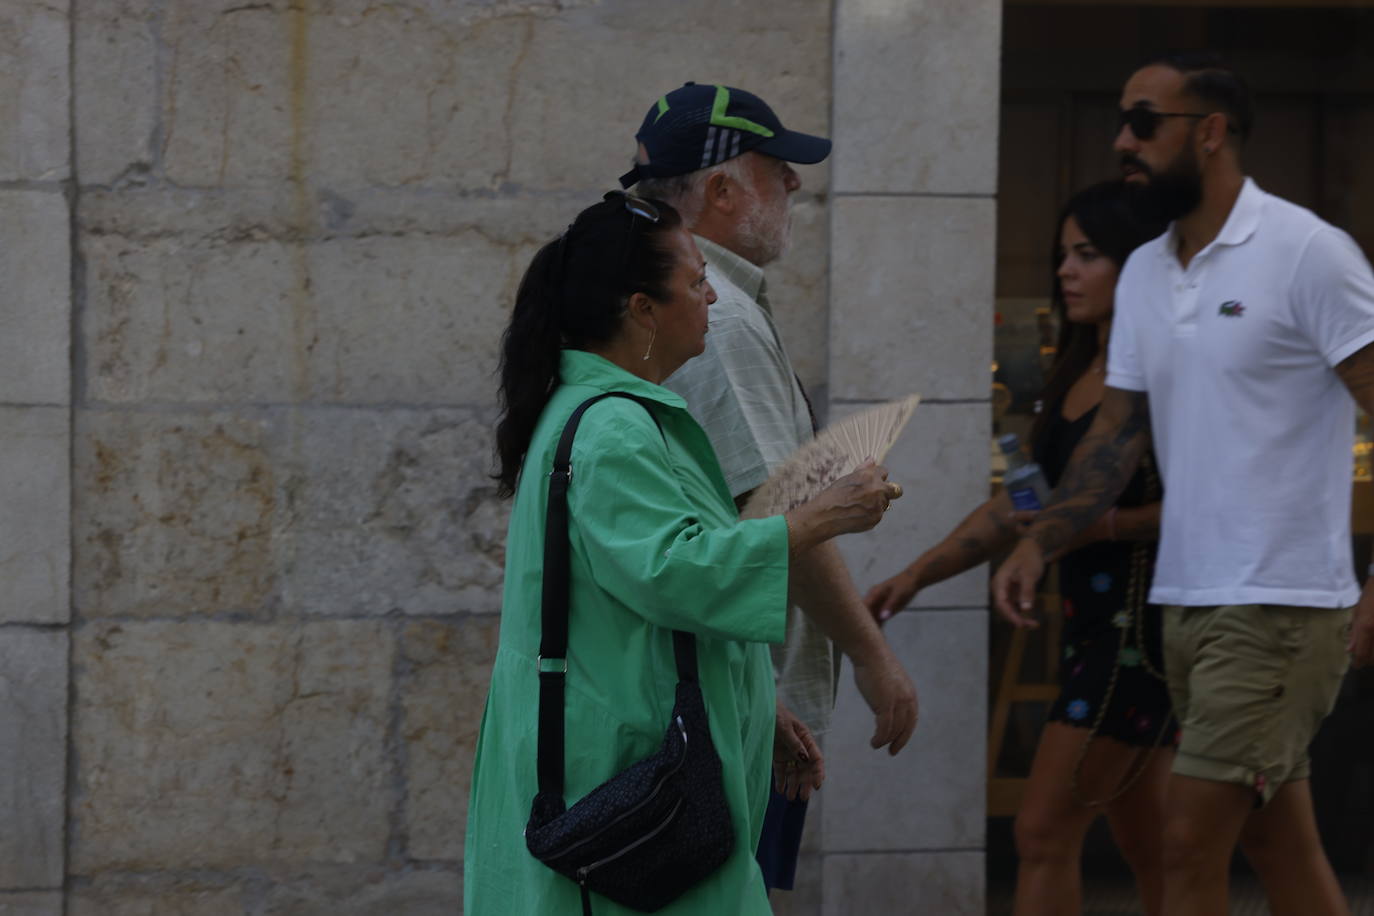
<point x="1231" y="308"/>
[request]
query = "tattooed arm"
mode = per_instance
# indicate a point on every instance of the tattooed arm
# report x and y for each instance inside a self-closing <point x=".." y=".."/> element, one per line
<point x="989" y="528"/>
<point x="1357" y="373"/>
<point x="1099" y="470"/>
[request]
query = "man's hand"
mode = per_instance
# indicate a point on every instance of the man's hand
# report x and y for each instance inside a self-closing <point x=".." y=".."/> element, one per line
<point x="798" y="767"/>
<point x="1362" y="628"/>
<point x="1013" y="588"/>
<point x="888" y="691"/>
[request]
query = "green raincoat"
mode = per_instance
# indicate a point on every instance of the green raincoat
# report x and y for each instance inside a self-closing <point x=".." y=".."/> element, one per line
<point x="656" y="544"/>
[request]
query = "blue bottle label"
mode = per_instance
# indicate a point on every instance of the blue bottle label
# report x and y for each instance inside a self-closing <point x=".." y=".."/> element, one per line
<point x="1024" y="500"/>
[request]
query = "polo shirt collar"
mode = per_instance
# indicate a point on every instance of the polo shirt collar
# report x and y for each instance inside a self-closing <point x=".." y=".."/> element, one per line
<point x="742" y="272"/>
<point x="1240" y="224"/>
<point x="578" y="367"/>
<point x="1245" y="215"/>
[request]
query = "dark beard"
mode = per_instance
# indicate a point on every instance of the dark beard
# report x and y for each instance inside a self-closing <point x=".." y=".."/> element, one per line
<point x="1170" y="194"/>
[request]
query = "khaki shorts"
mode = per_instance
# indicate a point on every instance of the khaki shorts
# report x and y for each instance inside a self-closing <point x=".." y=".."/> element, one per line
<point x="1250" y="685"/>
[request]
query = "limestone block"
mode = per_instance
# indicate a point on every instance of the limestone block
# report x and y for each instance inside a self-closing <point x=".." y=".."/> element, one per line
<point x="35" y="501"/>
<point x="185" y="322"/>
<point x="394" y="510"/>
<point x="204" y="312"/>
<point x="916" y="95"/>
<point x="228" y="108"/>
<point x="941" y="463"/>
<point x="160" y="895"/>
<point x="115" y="89"/>
<point x="371" y="892"/>
<point x="33" y="760"/>
<point x="911" y="884"/>
<point x="219" y="745"/>
<point x="931" y="795"/>
<point x="911" y="297"/>
<point x="574" y="123"/>
<point x="34" y="90"/>
<point x="443" y="701"/>
<point x="392" y="96"/>
<point x="174" y="513"/>
<point x="35" y="312"/>
<point x="327" y="511"/>
<point x="303" y="891"/>
<point x="798" y="285"/>
<point x="413" y="319"/>
<point x="371" y="94"/>
<point x="31" y="903"/>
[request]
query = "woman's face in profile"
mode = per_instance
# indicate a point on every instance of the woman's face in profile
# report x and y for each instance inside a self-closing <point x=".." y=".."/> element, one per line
<point x="1087" y="277"/>
<point x="681" y="318"/>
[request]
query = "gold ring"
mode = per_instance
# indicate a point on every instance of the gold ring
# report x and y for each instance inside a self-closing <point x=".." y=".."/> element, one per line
<point x="894" y="489"/>
<point x="791" y="764"/>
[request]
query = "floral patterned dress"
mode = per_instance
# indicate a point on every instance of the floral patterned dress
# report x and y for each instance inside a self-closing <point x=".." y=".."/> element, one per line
<point x="1107" y="655"/>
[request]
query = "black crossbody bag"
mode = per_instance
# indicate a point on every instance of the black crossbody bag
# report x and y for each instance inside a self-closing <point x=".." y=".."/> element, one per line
<point x="648" y="834"/>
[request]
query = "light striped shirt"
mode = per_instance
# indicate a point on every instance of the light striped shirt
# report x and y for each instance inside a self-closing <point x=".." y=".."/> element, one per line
<point x="743" y="392"/>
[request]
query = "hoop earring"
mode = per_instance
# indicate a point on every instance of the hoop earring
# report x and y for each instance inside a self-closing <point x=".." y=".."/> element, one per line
<point x="650" y="348"/>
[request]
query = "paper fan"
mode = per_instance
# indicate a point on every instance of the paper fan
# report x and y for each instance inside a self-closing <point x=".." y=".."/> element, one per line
<point x="836" y="451"/>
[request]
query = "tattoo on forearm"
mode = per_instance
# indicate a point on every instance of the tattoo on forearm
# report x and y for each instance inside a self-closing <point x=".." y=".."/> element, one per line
<point x="1099" y="470"/>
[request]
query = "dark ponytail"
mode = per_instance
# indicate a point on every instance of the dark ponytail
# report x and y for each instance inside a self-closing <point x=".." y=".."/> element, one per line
<point x="573" y="296"/>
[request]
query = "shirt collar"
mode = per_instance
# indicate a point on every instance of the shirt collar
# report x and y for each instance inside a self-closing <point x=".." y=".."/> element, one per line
<point x="745" y="274"/>
<point x="1240" y="224"/>
<point x="578" y="367"/>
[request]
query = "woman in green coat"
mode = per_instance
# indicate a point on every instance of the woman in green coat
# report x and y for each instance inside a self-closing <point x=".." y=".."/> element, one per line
<point x="617" y="304"/>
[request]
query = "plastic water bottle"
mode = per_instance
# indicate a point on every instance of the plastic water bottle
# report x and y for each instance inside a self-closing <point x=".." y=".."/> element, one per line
<point x="1024" y="481"/>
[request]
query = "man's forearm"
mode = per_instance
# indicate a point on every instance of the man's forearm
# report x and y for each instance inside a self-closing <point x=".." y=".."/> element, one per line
<point x="822" y="587"/>
<point x="1101" y="466"/>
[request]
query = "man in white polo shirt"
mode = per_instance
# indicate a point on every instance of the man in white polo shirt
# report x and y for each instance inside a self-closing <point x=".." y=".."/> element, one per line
<point x="1240" y="337"/>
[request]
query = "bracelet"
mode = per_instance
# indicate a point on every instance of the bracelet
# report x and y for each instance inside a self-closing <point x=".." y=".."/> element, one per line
<point x="1111" y="524"/>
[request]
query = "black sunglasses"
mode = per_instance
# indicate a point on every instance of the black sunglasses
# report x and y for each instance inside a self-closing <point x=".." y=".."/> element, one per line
<point x="1144" y="122"/>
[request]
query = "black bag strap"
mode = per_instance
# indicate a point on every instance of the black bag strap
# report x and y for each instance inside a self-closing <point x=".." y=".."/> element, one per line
<point x="553" y="641"/>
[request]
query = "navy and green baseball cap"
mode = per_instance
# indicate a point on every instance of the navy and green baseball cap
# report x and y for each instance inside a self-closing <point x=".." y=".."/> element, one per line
<point x="696" y="127"/>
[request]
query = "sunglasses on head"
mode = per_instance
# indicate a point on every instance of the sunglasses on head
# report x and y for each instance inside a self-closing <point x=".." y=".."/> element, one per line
<point x="637" y="207"/>
<point x="1144" y="122"/>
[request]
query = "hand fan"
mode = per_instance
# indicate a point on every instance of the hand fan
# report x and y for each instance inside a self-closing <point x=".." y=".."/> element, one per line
<point x="836" y="451"/>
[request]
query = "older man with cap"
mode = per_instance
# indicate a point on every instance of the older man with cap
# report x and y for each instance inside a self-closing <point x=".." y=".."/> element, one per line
<point x="723" y="159"/>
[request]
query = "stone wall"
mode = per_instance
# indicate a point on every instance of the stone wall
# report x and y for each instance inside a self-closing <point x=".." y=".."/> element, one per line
<point x="256" y="259"/>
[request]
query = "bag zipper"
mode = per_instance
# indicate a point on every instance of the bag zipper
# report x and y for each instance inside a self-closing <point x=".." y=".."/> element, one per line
<point x="663" y="825"/>
<point x="682" y="729"/>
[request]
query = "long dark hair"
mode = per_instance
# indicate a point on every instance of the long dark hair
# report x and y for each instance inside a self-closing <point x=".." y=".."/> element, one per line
<point x="1115" y="226"/>
<point x="573" y="296"/>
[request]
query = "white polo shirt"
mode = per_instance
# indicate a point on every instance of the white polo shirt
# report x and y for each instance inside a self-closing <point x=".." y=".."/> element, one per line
<point x="1252" y="428"/>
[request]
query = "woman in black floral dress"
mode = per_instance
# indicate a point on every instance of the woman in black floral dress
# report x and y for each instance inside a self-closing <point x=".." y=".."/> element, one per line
<point x="1108" y="745"/>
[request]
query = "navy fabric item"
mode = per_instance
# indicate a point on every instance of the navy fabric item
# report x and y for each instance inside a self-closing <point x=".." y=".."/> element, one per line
<point x="780" y="841"/>
<point x="696" y="127"/>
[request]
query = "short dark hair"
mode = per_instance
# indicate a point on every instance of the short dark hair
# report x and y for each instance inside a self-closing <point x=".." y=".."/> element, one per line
<point x="1211" y="80"/>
